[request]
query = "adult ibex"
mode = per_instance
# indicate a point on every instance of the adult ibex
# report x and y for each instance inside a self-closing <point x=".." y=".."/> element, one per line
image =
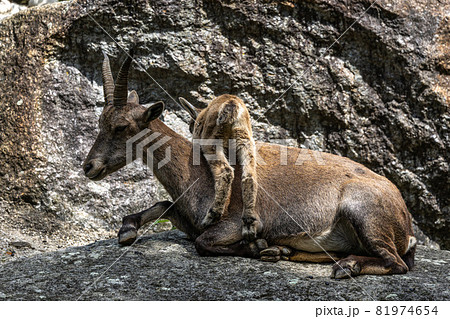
<point x="335" y="205"/>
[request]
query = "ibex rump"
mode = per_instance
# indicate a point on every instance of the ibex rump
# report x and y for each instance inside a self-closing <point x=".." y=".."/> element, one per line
<point x="340" y="206"/>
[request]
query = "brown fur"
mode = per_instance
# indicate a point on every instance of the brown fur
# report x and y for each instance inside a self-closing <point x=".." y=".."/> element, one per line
<point x="337" y="205"/>
<point x="227" y="119"/>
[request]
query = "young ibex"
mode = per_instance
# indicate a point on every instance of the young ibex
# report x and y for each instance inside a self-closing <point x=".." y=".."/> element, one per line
<point x="336" y="205"/>
<point x="226" y="120"/>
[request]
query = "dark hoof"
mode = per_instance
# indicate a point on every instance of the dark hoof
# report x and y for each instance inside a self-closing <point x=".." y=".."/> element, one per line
<point x="127" y="235"/>
<point x="271" y="254"/>
<point x="345" y="268"/>
<point x="275" y="253"/>
<point x="271" y="251"/>
<point x="251" y="228"/>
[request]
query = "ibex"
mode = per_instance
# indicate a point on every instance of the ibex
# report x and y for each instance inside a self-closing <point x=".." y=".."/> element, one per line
<point x="225" y="127"/>
<point x="337" y="206"/>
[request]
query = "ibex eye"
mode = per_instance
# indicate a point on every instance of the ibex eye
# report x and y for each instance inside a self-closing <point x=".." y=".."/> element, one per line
<point x="120" y="128"/>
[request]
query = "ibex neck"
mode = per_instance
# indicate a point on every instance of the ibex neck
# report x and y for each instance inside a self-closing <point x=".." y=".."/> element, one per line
<point x="172" y="154"/>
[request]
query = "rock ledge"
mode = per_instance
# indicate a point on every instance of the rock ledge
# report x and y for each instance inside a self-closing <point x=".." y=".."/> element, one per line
<point x="165" y="266"/>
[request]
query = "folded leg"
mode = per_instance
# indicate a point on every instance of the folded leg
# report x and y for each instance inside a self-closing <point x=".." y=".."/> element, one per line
<point x="132" y="223"/>
<point x="225" y="238"/>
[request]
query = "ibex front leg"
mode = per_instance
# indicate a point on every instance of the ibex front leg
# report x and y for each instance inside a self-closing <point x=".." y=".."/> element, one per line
<point x="223" y="177"/>
<point x="246" y="157"/>
<point x="132" y="223"/>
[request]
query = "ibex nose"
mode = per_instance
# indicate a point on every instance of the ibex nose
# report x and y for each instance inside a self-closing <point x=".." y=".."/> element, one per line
<point x="87" y="167"/>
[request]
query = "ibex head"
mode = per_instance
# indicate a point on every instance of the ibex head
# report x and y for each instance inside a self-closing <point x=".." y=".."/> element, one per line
<point x="122" y="118"/>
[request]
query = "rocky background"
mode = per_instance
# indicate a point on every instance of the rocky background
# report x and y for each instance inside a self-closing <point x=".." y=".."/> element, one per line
<point x="379" y="96"/>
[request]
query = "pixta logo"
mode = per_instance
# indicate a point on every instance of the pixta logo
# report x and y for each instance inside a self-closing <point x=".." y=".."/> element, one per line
<point x="139" y="142"/>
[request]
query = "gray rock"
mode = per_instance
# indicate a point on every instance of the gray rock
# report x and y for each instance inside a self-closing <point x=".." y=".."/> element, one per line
<point x="378" y="96"/>
<point x="34" y="3"/>
<point x="21" y="244"/>
<point x="8" y="8"/>
<point x="165" y="266"/>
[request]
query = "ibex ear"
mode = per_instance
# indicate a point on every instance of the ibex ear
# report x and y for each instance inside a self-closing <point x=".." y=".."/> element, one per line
<point x="192" y="110"/>
<point x="133" y="97"/>
<point x="153" y="112"/>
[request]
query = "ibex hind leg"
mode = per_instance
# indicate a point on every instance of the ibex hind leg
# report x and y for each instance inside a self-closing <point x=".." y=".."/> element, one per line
<point x="383" y="260"/>
<point x="383" y="230"/>
<point x="131" y="223"/>
<point x="352" y="266"/>
<point x="276" y="253"/>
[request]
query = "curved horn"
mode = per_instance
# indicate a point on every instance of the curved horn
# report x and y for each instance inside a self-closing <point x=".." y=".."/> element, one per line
<point x="192" y="110"/>
<point x="108" y="81"/>
<point x="121" y="89"/>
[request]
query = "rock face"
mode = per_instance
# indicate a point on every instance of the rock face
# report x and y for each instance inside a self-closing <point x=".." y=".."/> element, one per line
<point x="7" y="8"/>
<point x="166" y="267"/>
<point x="379" y="95"/>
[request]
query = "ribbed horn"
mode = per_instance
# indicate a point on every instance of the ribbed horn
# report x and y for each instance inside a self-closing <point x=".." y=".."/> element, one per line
<point x="108" y="81"/>
<point x="121" y="89"/>
<point x="192" y="110"/>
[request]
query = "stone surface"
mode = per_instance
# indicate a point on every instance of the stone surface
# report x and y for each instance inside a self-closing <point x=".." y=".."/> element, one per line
<point x="8" y="8"/>
<point x="378" y="96"/>
<point x="165" y="266"/>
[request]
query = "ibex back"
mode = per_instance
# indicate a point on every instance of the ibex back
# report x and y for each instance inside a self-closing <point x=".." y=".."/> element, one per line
<point x="317" y="211"/>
